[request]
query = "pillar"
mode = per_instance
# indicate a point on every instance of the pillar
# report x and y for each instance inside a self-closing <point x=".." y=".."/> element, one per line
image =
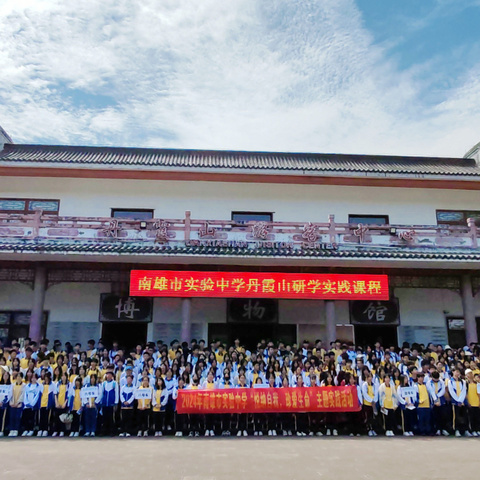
<point x="471" y="334"/>
<point x="331" y="320"/>
<point x="39" y="288"/>
<point x="186" y="330"/>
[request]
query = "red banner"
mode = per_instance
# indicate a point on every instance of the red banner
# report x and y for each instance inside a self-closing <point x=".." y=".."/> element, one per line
<point x="268" y="400"/>
<point x="169" y="283"/>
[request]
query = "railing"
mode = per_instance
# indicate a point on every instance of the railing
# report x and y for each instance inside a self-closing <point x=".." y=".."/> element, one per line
<point x="223" y="233"/>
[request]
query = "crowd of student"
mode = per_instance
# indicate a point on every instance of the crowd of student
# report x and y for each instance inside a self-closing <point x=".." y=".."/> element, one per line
<point x="411" y="390"/>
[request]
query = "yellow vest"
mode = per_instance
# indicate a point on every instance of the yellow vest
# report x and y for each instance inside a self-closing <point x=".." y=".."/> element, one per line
<point x="472" y="395"/>
<point x="423" y="397"/>
<point x="388" y="402"/>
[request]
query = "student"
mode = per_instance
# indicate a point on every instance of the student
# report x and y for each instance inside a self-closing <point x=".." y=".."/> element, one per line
<point x="436" y="387"/>
<point x="31" y="400"/>
<point x="181" y="422"/>
<point x="90" y="405"/>
<point x="170" y="384"/>
<point x="127" y="397"/>
<point x="387" y="398"/>
<point x="194" y="419"/>
<point x="370" y="398"/>
<point x="160" y="399"/>
<point x="47" y="404"/>
<point x="272" y="418"/>
<point x="457" y="390"/>
<point x="473" y="402"/>
<point x="424" y="406"/>
<point x="143" y="409"/>
<point x="5" y="398"/>
<point x="16" y="405"/>
<point x="110" y="397"/>
<point x="301" y="419"/>
<point x="61" y="404"/>
<point x="210" y="419"/>
<point x="408" y="400"/>
<point x="355" y="419"/>
<point x="75" y="406"/>
<point x="242" y="417"/>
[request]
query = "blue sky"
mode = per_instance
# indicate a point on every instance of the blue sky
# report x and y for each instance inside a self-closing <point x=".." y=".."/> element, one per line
<point x="366" y="76"/>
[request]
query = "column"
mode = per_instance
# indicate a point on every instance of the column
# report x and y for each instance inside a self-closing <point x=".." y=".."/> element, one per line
<point x="468" y="309"/>
<point x="331" y="320"/>
<point x="39" y="288"/>
<point x="186" y="330"/>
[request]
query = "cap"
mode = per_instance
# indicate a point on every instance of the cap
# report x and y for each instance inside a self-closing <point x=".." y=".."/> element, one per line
<point x="448" y="347"/>
<point x="468" y="370"/>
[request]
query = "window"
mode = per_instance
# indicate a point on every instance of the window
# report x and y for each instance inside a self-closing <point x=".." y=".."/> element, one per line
<point x="132" y="214"/>
<point x="16" y="324"/>
<point x="369" y="219"/>
<point x="242" y="217"/>
<point x="457" y="217"/>
<point x="29" y="205"/>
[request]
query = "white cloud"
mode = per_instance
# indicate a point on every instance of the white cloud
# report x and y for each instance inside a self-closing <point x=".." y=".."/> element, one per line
<point x="272" y="75"/>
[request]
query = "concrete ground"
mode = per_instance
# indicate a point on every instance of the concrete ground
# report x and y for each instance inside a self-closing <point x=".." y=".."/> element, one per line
<point x="233" y="458"/>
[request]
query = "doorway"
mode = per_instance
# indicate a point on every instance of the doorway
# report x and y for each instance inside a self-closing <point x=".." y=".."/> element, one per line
<point x="369" y="334"/>
<point x="127" y="334"/>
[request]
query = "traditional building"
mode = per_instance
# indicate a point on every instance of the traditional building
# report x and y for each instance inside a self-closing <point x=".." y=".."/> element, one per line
<point x="74" y="222"/>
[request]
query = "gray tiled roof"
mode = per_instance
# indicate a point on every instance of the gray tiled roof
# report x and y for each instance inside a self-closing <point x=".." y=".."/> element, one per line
<point x="74" y="156"/>
<point x="122" y="248"/>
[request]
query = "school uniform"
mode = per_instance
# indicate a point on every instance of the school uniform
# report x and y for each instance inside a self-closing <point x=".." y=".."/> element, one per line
<point x="408" y="415"/>
<point x="387" y="398"/>
<point x="439" y="405"/>
<point x="170" y="385"/>
<point x="424" y="411"/>
<point x="16" y="408"/>
<point x="31" y="404"/>
<point x="160" y="400"/>
<point x="127" y="398"/>
<point x="369" y="400"/>
<point x="473" y="407"/>
<point x="61" y="395"/>
<point x="110" y="397"/>
<point x="75" y="407"/>
<point x="47" y="404"/>
<point x="143" y="411"/>
<point x="458" y="392"/>
<point x="4" y="403"/>
<point x="90" y="408"/>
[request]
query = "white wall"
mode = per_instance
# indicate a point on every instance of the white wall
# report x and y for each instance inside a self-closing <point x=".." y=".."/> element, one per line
<point x="215" y="200"/>
<point x="15" y="296"/>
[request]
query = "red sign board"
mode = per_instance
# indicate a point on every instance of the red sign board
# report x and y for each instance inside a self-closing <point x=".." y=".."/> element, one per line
<point x="170" y="283"/>
<point x="268" y="400"/>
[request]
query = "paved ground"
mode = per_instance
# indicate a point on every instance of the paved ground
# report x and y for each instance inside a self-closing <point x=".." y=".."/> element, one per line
<point x="232" y="458"/>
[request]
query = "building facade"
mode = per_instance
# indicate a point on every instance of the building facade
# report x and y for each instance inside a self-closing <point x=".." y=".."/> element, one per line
<point x="74" y="222"/>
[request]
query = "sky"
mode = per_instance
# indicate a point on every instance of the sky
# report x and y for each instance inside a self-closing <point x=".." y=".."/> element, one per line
<point x="397" y="77"/>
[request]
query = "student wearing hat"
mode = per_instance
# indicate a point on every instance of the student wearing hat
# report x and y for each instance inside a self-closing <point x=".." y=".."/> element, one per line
<point x="473" y="402"/>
